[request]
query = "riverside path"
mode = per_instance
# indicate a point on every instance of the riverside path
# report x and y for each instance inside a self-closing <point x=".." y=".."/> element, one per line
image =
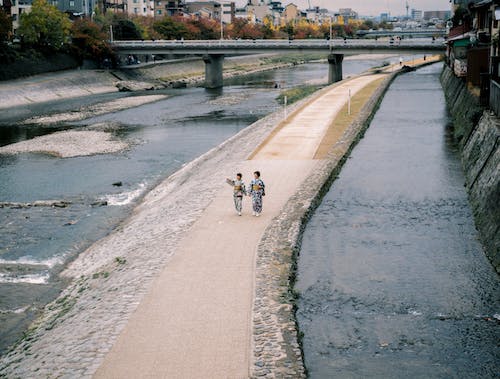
<point x="196" y="319"/>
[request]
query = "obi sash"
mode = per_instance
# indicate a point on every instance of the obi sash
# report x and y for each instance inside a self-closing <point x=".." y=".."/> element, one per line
<point x="256" y="187"/>
<point x="237" y="188"/>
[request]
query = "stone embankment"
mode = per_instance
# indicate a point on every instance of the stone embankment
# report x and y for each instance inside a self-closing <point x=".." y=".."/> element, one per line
<point x="477" y="131"/>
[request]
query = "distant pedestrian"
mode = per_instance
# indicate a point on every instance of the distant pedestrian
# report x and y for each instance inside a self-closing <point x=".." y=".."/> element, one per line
<point x="400" y="61"/>
<point x="238" y="191"/>
<point x="257" y="190"/>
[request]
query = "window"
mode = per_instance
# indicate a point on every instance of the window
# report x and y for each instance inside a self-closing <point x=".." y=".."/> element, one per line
<point x="14" y="17"/>
<point x="158" y="11"/>
<point x="71" y="3"/>
<point x="136" y="10"/>
<point x="135" y="1"/>
<point x="158" y="3"/>
<point x="144" y="10"/>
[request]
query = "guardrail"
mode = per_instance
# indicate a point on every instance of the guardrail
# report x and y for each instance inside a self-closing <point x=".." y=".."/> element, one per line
<point x="284" y="44"/>
<point x="495" y="97"/>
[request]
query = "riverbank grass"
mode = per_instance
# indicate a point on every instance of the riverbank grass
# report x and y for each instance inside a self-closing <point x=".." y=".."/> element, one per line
<point x="297" y="93"/>
<point x="343" y="119"/>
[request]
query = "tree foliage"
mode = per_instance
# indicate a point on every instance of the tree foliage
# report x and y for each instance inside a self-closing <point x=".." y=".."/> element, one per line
<point x="125" y="29"/>
<point x="45" y="26"/>
<point x="5" y="26"/>
<point x="179" y="28"/>
<point x="89" y="40"/>
<point x="172" y="28"/>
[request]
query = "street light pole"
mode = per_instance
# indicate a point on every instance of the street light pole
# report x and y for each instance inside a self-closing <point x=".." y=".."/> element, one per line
<point x="331" y="32"/>
<point x="221" y="23"/>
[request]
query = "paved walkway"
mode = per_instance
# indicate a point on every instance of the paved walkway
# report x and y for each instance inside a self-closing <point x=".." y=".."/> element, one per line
<point x="300" y="136"/>
<point x="195" y="322"/>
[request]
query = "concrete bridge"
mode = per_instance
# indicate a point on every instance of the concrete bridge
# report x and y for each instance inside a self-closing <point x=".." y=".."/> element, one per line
<point x="422" y="32"/>
<point x="213" y="51"/>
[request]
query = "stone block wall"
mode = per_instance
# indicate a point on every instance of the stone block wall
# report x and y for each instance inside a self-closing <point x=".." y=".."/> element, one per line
<point x="478" y="132"/>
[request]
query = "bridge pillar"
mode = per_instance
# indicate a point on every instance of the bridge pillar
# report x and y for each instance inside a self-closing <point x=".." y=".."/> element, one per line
<point x="213" y="70"/>
<point x="335" y="67"/>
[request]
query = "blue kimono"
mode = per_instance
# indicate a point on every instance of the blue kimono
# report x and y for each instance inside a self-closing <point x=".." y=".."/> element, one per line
<point x="257" y="191"/>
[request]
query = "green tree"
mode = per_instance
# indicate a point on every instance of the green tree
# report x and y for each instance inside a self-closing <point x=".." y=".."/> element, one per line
<point x="5" y="26"/>
<point x="45" y="26"/>
<point x="170" y="28"/>
<point x="124" y="29"/>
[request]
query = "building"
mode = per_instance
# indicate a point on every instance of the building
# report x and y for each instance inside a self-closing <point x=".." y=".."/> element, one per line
<point x="213" y="9"/>
<point x="416" y="15"/>
<point x="345" y="16"/>
<point x="141" y="7"/>
<point x="385" y="17"/>
<point x="258" y="12"/>
<point x="164" y="8"/>
<point x="19" y="7"/>
<point x="113" y="6"/>
<point x="473" y="49"/>
<point x="441" y="15"/>
<point x="76" y="8"/>
<point x="291" y="13"/>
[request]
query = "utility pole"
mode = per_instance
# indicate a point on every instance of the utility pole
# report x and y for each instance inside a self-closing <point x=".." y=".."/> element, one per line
<point x="331" y="32"/>
<point x="221" y="23"/>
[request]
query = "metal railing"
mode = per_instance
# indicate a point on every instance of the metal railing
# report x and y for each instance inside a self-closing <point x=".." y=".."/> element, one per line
<point x="495" y="97"/>
<point x="282" y="44"/>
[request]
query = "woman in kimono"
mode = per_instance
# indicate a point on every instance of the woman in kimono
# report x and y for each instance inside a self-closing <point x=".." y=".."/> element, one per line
<point x="238" y="191"/>
<point x="257" y="191"/>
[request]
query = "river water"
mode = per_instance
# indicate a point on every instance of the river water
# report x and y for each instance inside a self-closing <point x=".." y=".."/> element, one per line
<point x="393" y="282"/>
<point x="36" y="243"/>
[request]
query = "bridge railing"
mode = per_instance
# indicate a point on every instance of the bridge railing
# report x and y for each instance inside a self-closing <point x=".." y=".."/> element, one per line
<point x="275" y="43"/>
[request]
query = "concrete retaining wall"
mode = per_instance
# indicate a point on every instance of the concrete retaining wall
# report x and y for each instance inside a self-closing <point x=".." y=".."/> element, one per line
<point x="26" y="65"/>
<point x="478" y="133"/>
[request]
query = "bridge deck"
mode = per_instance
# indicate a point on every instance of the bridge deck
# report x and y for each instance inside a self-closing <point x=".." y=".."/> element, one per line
<point x="350" y="46"/>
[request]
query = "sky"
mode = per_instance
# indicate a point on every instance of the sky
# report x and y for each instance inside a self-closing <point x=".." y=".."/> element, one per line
<point x="370" y="7"/>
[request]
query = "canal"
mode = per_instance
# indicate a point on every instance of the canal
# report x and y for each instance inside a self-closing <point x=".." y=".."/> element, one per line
<point x="393" y="282"/>
<point x="36" y="243"/>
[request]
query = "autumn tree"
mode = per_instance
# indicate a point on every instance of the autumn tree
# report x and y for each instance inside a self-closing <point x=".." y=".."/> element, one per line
<point x="241" y="28"/>
<point x="208" y="28"/>
<point x="45" y="26"/>
<point x="5" y="26"/>
<point x="90" y="41"/>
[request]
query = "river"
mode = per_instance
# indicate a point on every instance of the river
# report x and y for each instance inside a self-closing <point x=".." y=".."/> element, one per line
<point x="393" y="282"/>
<point x="36" y="243"/>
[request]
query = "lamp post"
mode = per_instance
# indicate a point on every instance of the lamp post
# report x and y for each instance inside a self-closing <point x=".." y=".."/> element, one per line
<point x="331" y="31"/>
<point x="221" y="22"/>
